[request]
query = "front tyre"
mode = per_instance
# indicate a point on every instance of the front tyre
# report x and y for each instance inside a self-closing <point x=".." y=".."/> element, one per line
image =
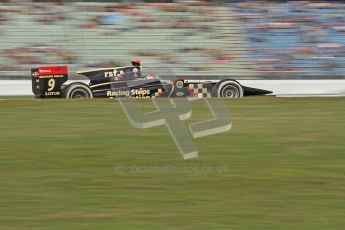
<point x="227" y="88"/>
<point x="77" y="90"/>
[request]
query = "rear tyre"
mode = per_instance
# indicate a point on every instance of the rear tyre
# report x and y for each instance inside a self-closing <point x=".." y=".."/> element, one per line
<point x="77" y="90"/>
<point x="227" y="88"/>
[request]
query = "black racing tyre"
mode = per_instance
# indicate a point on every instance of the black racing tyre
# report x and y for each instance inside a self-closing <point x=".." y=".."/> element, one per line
<point x="77" y="90"/>
<point x="227" y="88"/>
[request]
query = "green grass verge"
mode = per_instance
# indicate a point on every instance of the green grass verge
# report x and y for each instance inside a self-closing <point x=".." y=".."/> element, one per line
<point x="285" y="160"/>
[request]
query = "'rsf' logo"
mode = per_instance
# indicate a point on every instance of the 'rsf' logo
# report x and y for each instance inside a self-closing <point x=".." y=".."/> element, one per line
<point x="171" y="112"/>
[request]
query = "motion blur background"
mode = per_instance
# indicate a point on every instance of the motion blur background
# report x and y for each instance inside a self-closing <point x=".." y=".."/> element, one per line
<point x="66" y="164"/>
<point x="246" y="39"/>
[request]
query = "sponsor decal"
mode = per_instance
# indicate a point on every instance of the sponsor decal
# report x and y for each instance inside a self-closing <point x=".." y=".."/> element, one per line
<point x="179" y="84"/>
<point x="118" y="93"/>
<point x="51" y="76"/>
<point x="52" y="93"/>
<point x="52" y="70"/>
<point x="110" y="73"/>
<point x="179" y="94"/>
<point x="140" y="93"/>
<point x="35" y="74"/>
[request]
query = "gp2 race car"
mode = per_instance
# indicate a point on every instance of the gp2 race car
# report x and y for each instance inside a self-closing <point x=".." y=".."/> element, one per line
<point x="129" y="81"/>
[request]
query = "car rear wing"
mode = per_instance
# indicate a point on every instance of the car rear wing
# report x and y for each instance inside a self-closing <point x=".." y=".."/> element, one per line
<point x="47" y="80"/>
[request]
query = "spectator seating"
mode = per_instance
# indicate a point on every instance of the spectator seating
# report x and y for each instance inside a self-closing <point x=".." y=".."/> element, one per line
<point x="295" y="38"/>
<point x="243" y="39"/>
<point x="189" y="39"/>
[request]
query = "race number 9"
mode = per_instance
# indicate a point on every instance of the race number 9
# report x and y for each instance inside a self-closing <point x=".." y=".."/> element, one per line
<point x="51" y="84"/>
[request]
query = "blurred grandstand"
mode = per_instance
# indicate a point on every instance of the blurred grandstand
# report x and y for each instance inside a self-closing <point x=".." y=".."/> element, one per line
<point x="246" y="39"/>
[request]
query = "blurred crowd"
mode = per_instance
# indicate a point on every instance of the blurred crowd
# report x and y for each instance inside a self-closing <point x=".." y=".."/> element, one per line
<point x="33" y="32"/>
<point x="276" y="38"/>
<point x="295" y="37"/>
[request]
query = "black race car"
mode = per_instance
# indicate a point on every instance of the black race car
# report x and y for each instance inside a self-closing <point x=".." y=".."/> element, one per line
<point x="130" y="81"/>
